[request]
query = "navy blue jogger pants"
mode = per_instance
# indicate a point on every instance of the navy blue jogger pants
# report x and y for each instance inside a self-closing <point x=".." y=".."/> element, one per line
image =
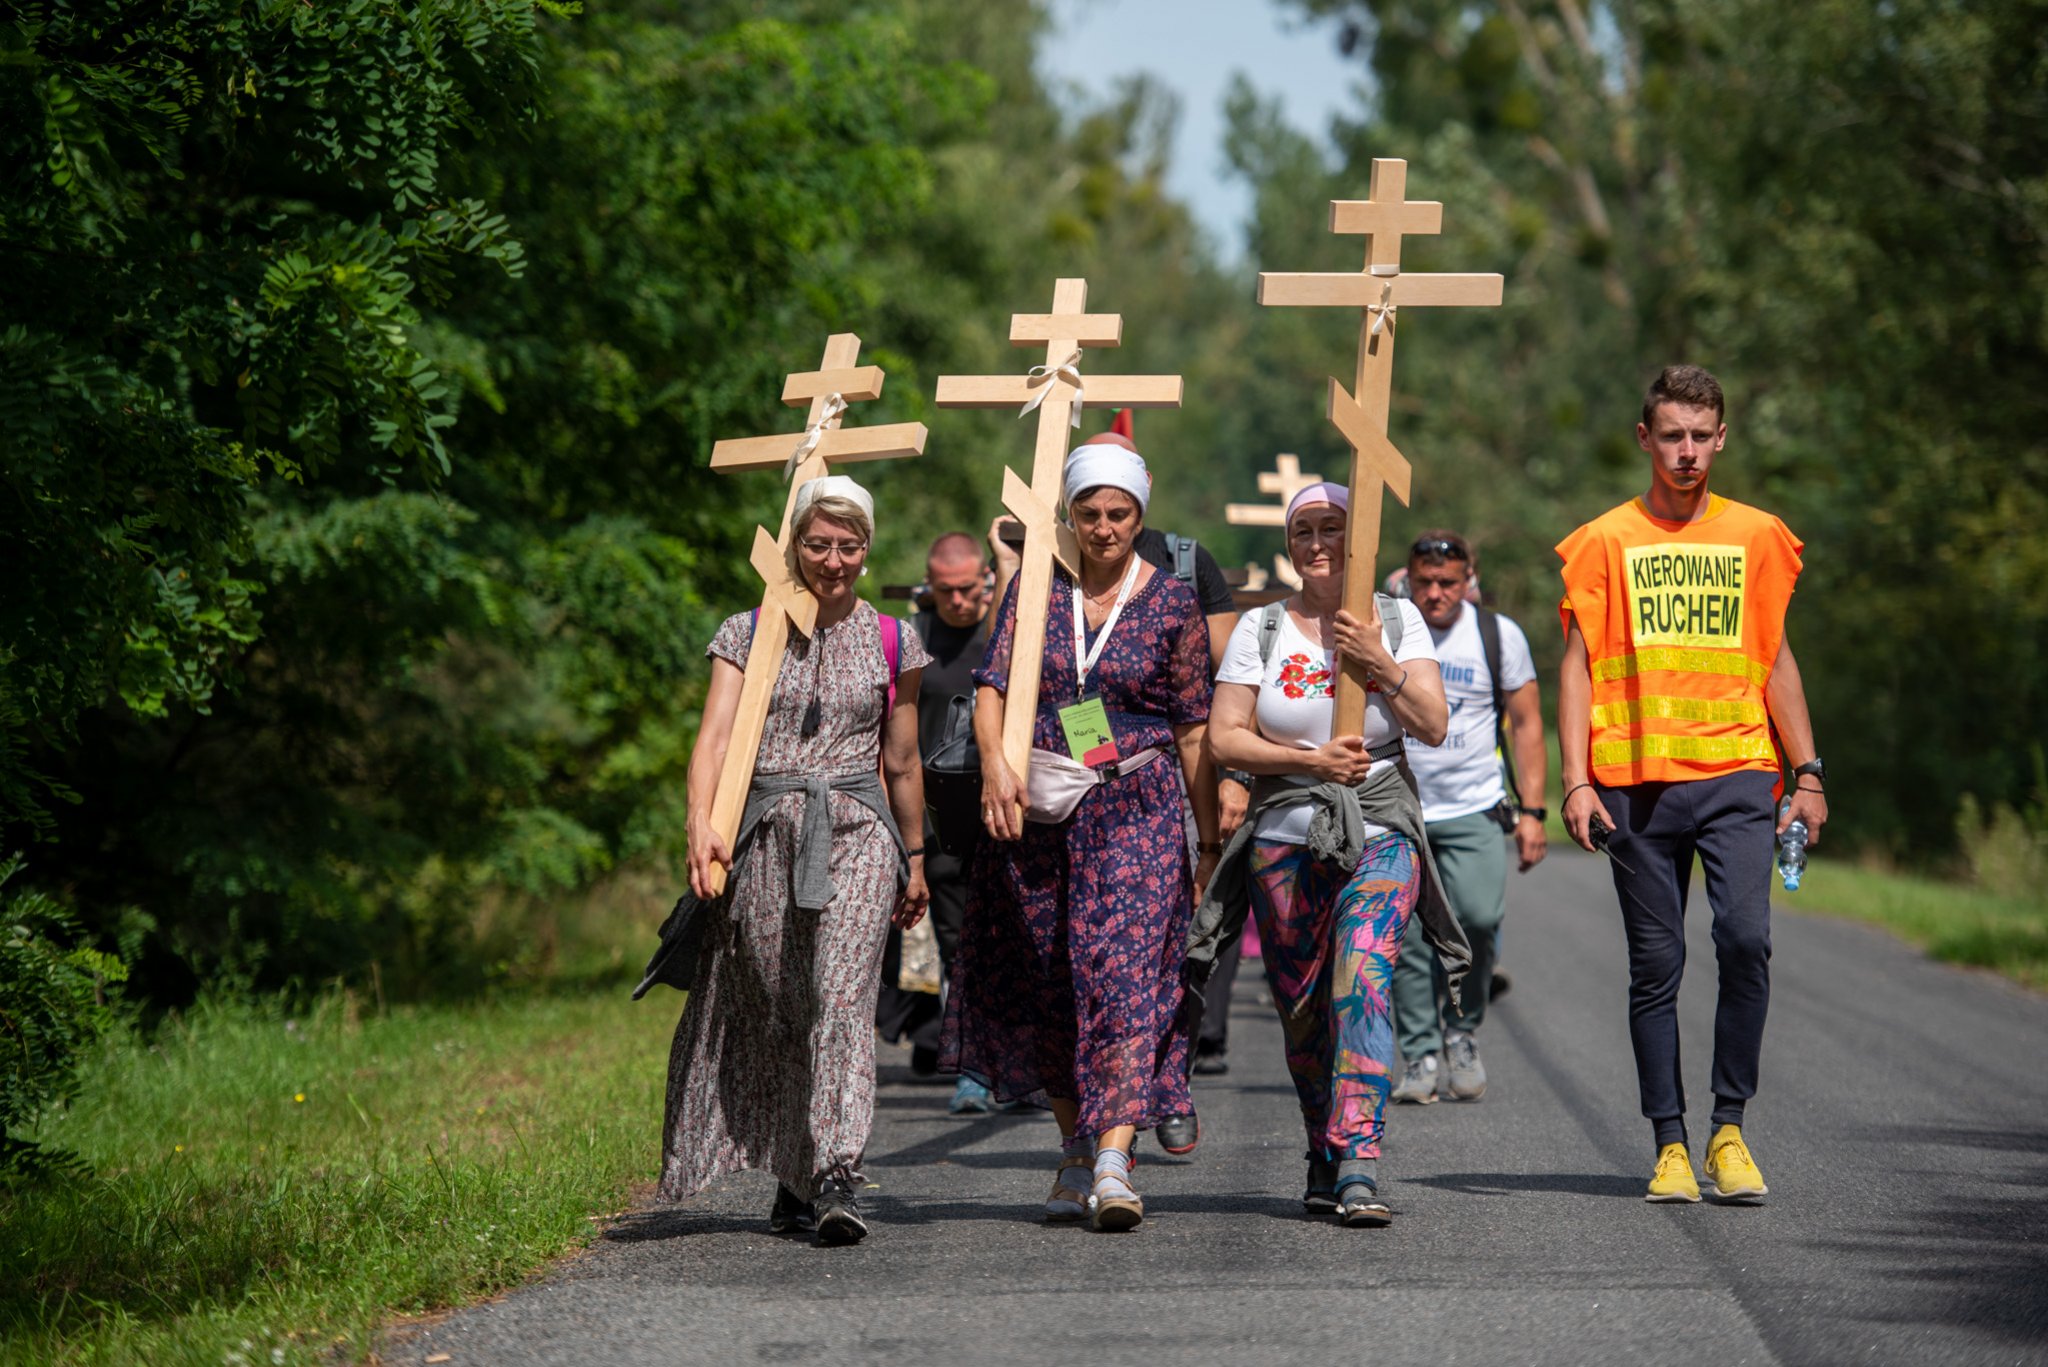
<point x="1730" y="822"/>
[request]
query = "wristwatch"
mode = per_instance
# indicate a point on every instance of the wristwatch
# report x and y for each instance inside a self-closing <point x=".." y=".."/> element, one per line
<point x="1540" y="813"/>
<point x="1815" y="766"/>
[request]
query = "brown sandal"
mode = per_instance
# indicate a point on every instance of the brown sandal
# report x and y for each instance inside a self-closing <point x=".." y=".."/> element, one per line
<point x="1115" y="1213"/>
<point x="1070" y="1200"/>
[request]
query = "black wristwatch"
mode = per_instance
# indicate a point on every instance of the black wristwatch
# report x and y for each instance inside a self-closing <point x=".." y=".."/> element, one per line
<point x="1540" y="813"/>
<point x="1816" y="767"/>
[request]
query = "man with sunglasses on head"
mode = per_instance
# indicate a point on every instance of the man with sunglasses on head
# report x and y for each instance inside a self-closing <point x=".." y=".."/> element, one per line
<point x="1468" y="814"/>
<point x="1676" y="674"/>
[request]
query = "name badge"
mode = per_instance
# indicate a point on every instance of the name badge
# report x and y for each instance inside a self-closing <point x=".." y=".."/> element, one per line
<point x="1086" y="724"/>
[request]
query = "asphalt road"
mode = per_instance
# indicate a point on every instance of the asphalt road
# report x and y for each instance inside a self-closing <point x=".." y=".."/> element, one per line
<point x="1903" y="1128"/>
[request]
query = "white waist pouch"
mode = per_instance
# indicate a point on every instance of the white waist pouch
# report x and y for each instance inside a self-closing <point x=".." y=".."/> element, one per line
<point x="1057" y="783"/>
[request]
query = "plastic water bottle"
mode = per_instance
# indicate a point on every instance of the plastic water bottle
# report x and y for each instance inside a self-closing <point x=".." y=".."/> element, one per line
<point x="1791" y="850"/>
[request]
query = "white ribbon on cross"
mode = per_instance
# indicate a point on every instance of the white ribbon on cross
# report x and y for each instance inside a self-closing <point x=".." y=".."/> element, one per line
<point x="1068" y="370"/>
<point x="815" y="433"/>
<point x="1383" y="312"/>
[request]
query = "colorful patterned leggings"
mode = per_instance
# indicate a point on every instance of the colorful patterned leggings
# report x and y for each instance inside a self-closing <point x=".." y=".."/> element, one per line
<point x="1330" y="944"/>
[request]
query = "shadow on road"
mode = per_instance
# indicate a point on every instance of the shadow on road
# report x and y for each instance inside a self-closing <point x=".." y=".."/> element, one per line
<point x="650" y="1226"/>
<point x="1978" y="1260"/>
<point x="1563" y="1183"/>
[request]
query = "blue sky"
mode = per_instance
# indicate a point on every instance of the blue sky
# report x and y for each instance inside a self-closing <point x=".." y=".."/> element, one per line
<point x="1193" y="47"/>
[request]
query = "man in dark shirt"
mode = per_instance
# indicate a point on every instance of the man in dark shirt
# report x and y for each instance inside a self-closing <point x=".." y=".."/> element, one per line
<point x="954" y="629"/>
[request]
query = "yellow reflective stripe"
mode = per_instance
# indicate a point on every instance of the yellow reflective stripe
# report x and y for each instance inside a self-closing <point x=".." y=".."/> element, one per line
<point x="1632" y="710"/>
<point x="1710" y="748"/>
<point x="1681" y="661"/>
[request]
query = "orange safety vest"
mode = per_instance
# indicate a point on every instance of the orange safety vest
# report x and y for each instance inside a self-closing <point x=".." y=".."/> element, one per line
<point x="1682" y="622"/>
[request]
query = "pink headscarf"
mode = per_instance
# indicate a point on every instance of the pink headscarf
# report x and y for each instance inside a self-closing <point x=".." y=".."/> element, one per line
<point x="1336" y="495"/>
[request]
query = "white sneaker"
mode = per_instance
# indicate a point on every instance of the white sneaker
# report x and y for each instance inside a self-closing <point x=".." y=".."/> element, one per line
<point x="1418" y="1081"/>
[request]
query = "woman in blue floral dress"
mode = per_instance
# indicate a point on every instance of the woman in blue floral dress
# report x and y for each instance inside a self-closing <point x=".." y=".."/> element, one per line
<point x="1067" y="986"/>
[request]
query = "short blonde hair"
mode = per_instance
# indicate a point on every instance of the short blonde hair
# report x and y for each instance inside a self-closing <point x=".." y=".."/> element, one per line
<point x="834" y="506"/>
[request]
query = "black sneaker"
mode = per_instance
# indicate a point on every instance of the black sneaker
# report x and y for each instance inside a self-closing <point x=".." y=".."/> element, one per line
<point x="1211" y="1065"/>
<point x="1178" y="1134"/>
<point x="791" y="1214"/>
<point x="1320" y="1198"/>
<point x="839" y="1220"/>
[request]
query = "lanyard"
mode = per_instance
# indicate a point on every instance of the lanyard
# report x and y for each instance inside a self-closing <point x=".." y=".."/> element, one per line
<point x="1085" y="662"/>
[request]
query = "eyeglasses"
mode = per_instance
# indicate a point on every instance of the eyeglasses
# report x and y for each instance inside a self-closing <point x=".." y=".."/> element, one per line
<point x="819" y="549"/>
<point x="1449" y="550"/>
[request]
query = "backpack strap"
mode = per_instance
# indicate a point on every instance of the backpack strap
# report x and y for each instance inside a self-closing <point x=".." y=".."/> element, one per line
<point x="1390" y="620"/>
<point x="1180" y="554"/>
<point x="1269" y="629"/>
<point x="892" y="652"/>
<point x="1489" y="644"/>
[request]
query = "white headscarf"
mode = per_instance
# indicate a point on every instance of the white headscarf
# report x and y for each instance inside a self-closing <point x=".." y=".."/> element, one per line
<point x="1101" y="465"/>
<point x="832" y="486"/>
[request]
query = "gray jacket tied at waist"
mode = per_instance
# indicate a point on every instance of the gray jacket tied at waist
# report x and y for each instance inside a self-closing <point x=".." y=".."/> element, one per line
<point x="1336" y="835"/>
<point x="682" y="934"/>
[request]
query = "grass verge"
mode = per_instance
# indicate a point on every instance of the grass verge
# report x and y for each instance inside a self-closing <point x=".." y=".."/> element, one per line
<point x="1959" y="924"/>
<point x="271" y="1188"/>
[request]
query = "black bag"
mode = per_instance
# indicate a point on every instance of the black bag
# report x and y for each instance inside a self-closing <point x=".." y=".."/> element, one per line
<point x="952" y="781"/>
<point x="681" y="945"/>
<point x="956" y="752"/>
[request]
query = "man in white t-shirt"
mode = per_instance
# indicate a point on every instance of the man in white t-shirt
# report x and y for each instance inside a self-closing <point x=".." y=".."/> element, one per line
<point x="1468" y="814"/>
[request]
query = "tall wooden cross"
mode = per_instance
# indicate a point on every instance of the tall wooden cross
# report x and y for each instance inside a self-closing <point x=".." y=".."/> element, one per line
<point x="1056" y="387"/>
<point x="1379" y="292"/>
<point x="785" y="602"/>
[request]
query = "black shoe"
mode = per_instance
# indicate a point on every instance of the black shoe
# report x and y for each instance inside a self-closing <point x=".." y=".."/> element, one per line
<point x="924" y="1060"/>
<point x="791" y="1214"/>
<point x="1320" y="1197"/>
<point x="839" y="1220"/>
<point x="1178" y="1134"/>
<point x="1498" y="987"/>
<point x="1211" y="1065"/>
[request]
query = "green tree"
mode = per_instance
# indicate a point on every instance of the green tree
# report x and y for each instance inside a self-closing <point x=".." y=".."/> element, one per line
<point x="216" y="217"/>
<point x="1840" y="209"/>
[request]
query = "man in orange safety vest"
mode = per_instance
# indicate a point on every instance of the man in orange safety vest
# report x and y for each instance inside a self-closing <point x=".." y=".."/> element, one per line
<point x="1676" y="670"/>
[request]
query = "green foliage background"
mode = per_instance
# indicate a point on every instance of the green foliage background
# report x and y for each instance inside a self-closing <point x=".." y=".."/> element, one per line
<point x="358" y="365"/>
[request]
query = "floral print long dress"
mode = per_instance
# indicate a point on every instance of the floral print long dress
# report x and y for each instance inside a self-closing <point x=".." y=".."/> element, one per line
<point x="773" y="1065"/>
<point x="1067" y="982"/>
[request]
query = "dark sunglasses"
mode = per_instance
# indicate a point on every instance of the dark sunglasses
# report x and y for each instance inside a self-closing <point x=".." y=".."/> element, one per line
<point x="1449" y="550"/>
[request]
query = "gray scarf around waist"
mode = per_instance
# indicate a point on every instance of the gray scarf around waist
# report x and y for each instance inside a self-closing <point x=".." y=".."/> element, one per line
<point x="682" y="934"/>
<point x="1336" y="835"/>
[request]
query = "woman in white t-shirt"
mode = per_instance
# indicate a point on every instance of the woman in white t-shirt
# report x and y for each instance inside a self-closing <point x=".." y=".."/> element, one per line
<point x="1330" y="934"/>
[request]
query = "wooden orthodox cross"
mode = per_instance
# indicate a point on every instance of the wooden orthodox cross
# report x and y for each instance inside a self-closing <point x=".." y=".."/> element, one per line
<point x="1286" y="480"/>
<point x="803" y="456"/>
<point x="1057" y="390"/>
<point x="1378" y="292"/>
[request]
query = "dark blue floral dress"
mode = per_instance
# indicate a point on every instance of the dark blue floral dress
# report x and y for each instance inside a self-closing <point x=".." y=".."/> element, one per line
<point x="1067" y="981"/>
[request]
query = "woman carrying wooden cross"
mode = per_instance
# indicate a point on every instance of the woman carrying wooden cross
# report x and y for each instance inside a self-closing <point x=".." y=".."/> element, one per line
<point x="1067" y="982"/>
<point x="773" y="1065"/>
<point x="1330" y="855"/>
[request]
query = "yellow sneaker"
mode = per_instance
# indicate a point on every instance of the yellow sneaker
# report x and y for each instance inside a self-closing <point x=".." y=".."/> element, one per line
<point x="1731" y="1170"/>
<point x="1674" y="1180"/>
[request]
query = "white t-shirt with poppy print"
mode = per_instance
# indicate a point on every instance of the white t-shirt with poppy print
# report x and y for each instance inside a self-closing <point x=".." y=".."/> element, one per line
<point x="1296" y="699"/>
